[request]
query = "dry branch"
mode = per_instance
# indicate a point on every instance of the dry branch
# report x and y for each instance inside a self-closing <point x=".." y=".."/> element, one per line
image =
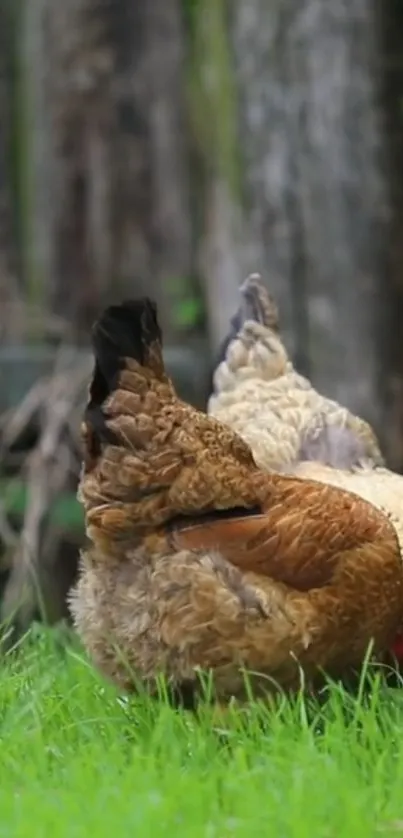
<point x="35" y="585"/>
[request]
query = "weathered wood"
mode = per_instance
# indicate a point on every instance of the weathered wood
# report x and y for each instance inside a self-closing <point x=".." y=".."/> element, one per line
<point x="390" y="343"/>
<point x="9" y="263"/>
<point x="110" y="206"/>
<point x="315" y="191"/>
<point x="287" y="174"/>
<point x="220" y="256"/>
<point x="267" y="99"/>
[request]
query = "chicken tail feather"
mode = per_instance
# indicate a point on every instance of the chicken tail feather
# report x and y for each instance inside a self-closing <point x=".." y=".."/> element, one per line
<point x="123" y="332"/>
<point x="257" y="304"/>
<point x="129" y="330"/>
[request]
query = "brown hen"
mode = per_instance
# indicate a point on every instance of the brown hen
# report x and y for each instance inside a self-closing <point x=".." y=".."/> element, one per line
<point x="198" y="560"/>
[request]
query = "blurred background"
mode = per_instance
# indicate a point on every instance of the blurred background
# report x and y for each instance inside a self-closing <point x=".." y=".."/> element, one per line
<point x="171" y="147"/>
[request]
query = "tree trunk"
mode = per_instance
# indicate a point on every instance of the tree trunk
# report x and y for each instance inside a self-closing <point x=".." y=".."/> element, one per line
<point x="170" y="235"/>
<point x="213" y="122"/>
<point x="9" y="267"/>
<point x="267" y="101"/>
<point x="391" y="344"/>
<point x="315" y="193"/>
<point x="111" y="201"/>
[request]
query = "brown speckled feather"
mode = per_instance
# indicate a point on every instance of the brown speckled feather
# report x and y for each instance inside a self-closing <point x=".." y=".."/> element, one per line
<point x="199" y="559"/>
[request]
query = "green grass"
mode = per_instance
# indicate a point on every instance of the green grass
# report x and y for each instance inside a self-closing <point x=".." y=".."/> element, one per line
<point x="78" y="760"/>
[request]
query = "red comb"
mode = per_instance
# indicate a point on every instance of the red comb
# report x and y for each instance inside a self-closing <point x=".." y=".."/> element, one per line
<point x="397" y="648"/>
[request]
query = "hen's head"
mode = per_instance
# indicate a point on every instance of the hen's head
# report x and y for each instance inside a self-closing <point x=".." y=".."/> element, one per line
<point x="253" y="347"/>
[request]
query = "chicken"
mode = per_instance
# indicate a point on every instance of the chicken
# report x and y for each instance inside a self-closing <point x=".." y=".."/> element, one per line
<point x="198" y="561"/>
<point x="277" y="412"/>
<point x="289" y="426"/>
<point x="381" y="487"/>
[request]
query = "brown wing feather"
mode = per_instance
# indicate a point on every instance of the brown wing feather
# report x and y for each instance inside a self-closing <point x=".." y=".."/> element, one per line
<point x="299" y="539"/>
<point x="354" y="585"/>
<point x="253" y="544"/>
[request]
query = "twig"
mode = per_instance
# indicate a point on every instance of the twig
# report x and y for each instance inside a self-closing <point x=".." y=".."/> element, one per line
<point x="32" y="577"/>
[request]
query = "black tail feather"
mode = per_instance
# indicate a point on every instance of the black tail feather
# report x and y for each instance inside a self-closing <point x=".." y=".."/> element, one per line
<point x="123" y="331"/>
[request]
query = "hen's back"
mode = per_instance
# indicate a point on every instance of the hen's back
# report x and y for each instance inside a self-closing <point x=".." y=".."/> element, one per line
<point x="379" y="486"/>
<point x="258" y="393"/>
